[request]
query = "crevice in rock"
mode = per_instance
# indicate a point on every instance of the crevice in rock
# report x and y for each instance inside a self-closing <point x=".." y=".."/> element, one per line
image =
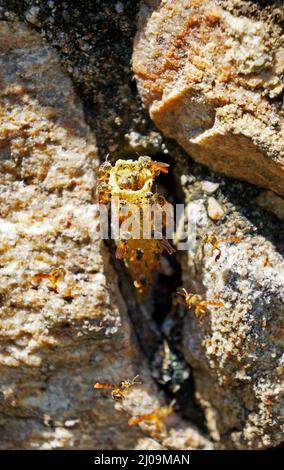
<point x="157" y="325"/>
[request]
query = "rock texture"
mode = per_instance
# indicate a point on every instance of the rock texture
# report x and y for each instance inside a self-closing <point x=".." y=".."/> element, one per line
<point x="57" y="339"/>
<point x="93" y="41"/>
<point x="237" y="351"/>
<point x="213" y="80"/>
<point x="54" y="344"/>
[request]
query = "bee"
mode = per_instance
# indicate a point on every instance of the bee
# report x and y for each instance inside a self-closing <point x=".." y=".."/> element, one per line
<point x="164" y="244"/>
<point x="121" y="249"/>
<point x="103" y="192"/>
<point x="104" y="170"/>
<point x="156" y="417"/>
<point x="215" y="242"/>
<point x="118" y="391"/>
<point x="158" y="167"/>
<point x="53" y="276"/>
<point x="199" y="304"/>
<point x="155" y="167"/>
<point x="140" y="283"/>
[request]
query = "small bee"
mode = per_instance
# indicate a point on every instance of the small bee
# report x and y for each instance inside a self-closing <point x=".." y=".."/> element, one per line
<point x="121" y="249"/>
<point x="215" y="241"/>
<point x="199" y="304"/>
<point x="53" y="276"/>
<point x="158" y="199"/>
<point x="118" y="391"/>
<point x="156" y="417"/>
<point x="103" y="192"/>
<point x="155" y="167"/>
<point x="104" y="170"/>
<point x="164" y="244"/>
<point x="141" y="284"/>
<point x="158" y="167"/>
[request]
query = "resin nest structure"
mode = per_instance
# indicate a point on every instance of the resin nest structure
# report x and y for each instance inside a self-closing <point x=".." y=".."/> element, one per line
<point x="128" y="186"/>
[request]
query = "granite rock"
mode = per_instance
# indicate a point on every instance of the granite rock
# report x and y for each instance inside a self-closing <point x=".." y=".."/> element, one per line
<point x="212" y="79"/>
<point x="236" y="352"/>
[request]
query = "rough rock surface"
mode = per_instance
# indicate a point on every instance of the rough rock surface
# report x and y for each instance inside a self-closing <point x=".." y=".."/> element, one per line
<point x="93" y="41"/>
<point x="54" y="345"/>
<point x="237" y="351"/>
<point x="57" y="340"/>
<point x="273" y="203"/>
<point x="213" y="80"/>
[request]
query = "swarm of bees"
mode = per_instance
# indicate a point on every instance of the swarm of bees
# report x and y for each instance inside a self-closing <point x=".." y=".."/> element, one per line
<point x="130" y="182"/>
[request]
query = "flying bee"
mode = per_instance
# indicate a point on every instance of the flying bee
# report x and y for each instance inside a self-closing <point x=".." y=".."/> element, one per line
<point x="199" y="304"/>
<point x="215" y="242"/>
<point x="156" y="417"/>
<point x="158" y="167"/>
<point x="118" y="391"/>
<point x="53" y="276"/>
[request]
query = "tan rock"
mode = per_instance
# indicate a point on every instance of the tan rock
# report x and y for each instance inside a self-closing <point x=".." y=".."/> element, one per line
<point x="236" y="352"/>
<point x="214" y="209"/>
<point x="271" y="202"/>
<point x="57" y="340"/>
<point x="212" y="81"/>
<point x="55" y="343"/>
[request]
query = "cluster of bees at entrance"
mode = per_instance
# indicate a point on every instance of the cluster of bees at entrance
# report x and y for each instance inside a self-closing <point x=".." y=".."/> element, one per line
<point x="132" y="181"/>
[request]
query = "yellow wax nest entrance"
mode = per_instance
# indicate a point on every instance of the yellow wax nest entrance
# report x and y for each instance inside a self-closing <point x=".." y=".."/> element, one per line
<point x="126" y="183"/>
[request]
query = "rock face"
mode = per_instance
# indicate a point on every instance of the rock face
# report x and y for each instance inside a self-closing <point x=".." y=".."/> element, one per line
<point x="213" y="81"/>
<point x="60" y="331"/>
<point x="54" y="342"/>
<point x="237" y="351"/>
<point x="57" y="340"/>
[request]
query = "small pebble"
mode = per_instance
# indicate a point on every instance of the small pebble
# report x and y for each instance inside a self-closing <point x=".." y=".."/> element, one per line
<point x="119" y="7"/>
<point x="214" y="209"/>
<point x="31" y="15"/>
<point x="209" y="187"/>
<point x="70" y="423"/>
